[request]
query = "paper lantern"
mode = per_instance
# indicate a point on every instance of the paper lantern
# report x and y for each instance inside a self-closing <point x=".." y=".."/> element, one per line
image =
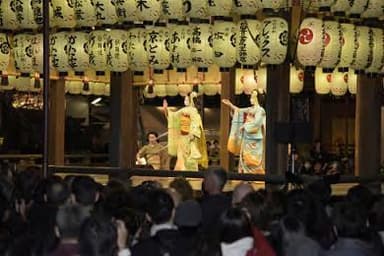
<point x="249" y="82"/>
<point x="261" y="80"/>
<point x="24" y="14"/>
<point x="75" y="87"/>
<point x="224" y="44"/>
<point x="63" y="13"/>
<point x="340" y="7"/>
<point x="107" y="90"/>
<point x="172" y="89"/>
<point x="323" y="81"/>
<point x="201" y="49"/>
<point x="362" y="55"/>
<point x="184" y="89"/>
<point x="247" y="7"/>
<point x="180" y="51"/>
<point x="157" y="52"/>
<point x="117" y="50"/>
<point x="22" y="50"/>
<point x="239" y="84"/>
<point x="310" y="43"/>
<point x="97" y="50"/>
<point x="173" y="10"/>
<point x="126" y="10"/>
<point x="339" y="84"/>
<point x="348" y="40"/>
<point x="332" y="44"/>
<point x="85" y="14"/>
<point x="149" y="10"/>
<point x="196" y="9"/>
<point x="248" y="50"/>
<point x="5" y="51"/>
<point x="358" y="7"/>
<point x="8" y="18"/>
<point x="58" y="45"/>
<point x="22" y="84"/>
<point x="138" y="58"/>
<point x="77" y="51"/>
<point x="211" y="89"/>
<point x="296" y="80"/>
<point x="38" y="53"/>
<point x="310" y="6"/>
<point x="274" y="41"/>
<point x="377" y="51"/>
<point x="160" y="90"/>
<point x="105" y="12"/>
<point x="352" y="81"/>
<point x="274" y="5"/>
<point x="96" y="88"/>
<point x="325" y="5"/>
<point x="38" y="12"/>
<point x="220" y="7"/>
<point x="375" y="9"/>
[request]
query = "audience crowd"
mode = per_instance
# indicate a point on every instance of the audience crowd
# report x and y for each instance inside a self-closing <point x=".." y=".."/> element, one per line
<point x="77" y="216"/>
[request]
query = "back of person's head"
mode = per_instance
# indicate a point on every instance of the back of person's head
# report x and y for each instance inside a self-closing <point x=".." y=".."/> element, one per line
<point x="234" y="225"/>
<point x="240" y="192"/>
<point x="98" y="237"/>
<point x="376" y="215"/>
<point x="350" y="220"/>
<point x="56" y="191"/>
<point x="321" y="190"/>
<point x="182" y="186"/>
<point x="188" y="214"/>
<point x="161" y="208"/>
<point x="214" y="180"/>
<point x="360" y="194"/>
<point x="255" y="204"/>
<point x="26" y="183"/>
<point x="85" y="190"/>
<point x="69" y="219"/>
<point x="132" y="218"/>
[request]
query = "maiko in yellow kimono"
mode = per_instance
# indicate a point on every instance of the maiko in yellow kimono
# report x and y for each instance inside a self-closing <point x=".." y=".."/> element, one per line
<point x="186" y="139"/>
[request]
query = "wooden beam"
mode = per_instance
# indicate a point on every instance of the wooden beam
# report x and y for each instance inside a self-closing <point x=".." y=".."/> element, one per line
<point x="228" y="80"/>
<point x="367" y="122"/>
<point x="56" y="130"/>
<point x="124" y="106"/>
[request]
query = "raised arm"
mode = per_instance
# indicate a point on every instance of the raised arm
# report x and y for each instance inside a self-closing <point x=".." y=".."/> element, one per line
<point x="229" y="104"/>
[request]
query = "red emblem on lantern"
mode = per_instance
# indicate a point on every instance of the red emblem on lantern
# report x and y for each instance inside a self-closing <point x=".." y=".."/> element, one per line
<point x="329" y="78"/>
<point x="305" y="36"/>
<point x="346" y="77"/>
<point x="300" y="76"/>
<point x="327" y="39"/>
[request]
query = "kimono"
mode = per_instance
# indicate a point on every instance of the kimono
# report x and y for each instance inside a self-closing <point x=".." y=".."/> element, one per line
<point x="186" y="139"/>
<point x="155" y="155"/>
<point x="248" y="144"/>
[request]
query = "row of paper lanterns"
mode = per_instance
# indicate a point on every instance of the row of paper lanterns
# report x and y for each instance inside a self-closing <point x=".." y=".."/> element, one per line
<point x="351" y="8"/>
<point x="158" y="47"/>
<point x="328" y="44"/>
<point x="336" y="83"/>
<point x="27" y="14"/>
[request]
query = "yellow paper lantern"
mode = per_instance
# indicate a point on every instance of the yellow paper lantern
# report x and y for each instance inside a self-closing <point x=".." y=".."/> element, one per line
<point x="179" y="49"/>
<point x="211" y="89"/>
<point x="58" y="44"/>
<point x="138" y="58"/>
<point x="224" y="44"/>
<point x="37" y="7"/>
<point x="348" y="40"/>
<point x="24" y="14"/>
<point x="85" y="14"/>
<point x="75" y="87"/>
<point x="22" y="50"/>
<point x="97" y="49"/>
<point x="247" y="7"/>
<point x="340" y="7"/>
<point x="184" y="89"/>
<point x="172" y="89"/>
<point x="261" y="80"/>
<point x="296" y="80"/>
<point x="22" y="84"/>
<point x="77" y="51"/>
<point x="96" y="88"/>
<point x="105" y="12"/>
<point x="274" y="41"/>
<point x="201" y="50"/>
<point x="196" y="9"/>
<point x="220" y="7"/>
<point x="310" y="6"/>
<point x="248" y="51"/>
<point x="332" y="44"/>
<point x="339" y="83"/>
<point x="173" y="10"/>
<point x="107" y="90"/>
<point x="63" y="13"/>
<point x="362" y="55"/>
<point x="249" y="81"/>
<point x="160" y="90"/>
<point x="126" y="10"/>
<point x="273" y="5"/>
<point x="8" y="17"/>
<point x="375" y="9"/>
<point x="310" y="43"/>
<point x="149" y="10"/>
<point x="157" y="52"/>
<point x="239" y="86"/>
<point x="352" y="81"/>
<point x="377" y="51"/>
<point x="37" y="53"/>
<point x="358" y="7"/>
<point x="5" y="52"/>
<point x="323" y="81"/>
<point x="117" y="50"/>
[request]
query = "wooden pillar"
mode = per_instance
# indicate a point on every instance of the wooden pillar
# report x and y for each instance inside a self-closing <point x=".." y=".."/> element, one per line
<point x="124" y="122"/>
<point x="367" y="122"/>
<point x="56" y="122"/>
<point x="277" y="109"/>
<point x="228" y="80"/>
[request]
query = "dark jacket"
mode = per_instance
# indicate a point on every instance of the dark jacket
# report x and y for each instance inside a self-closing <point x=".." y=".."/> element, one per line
<point x="163" y="243"/>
